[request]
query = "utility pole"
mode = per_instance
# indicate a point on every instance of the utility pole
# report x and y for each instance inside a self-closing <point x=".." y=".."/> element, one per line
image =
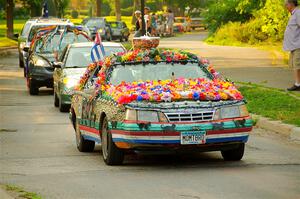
<point x="143" y="17"/>
<point x="9" y="18"/>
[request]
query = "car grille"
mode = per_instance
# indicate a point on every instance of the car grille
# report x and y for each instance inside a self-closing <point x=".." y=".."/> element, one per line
<point x="190" y="117"/>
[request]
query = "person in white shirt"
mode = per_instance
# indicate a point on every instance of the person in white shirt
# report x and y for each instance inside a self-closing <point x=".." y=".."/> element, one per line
<point x="292" y="41"/>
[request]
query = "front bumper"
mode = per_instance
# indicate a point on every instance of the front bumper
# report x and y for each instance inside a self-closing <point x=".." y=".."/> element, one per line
<point x="133" y="135"/>
<point x="41" y="76"/>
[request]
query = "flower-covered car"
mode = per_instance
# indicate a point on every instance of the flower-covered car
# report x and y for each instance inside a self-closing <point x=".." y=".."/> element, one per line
<point x="152" y="100"/>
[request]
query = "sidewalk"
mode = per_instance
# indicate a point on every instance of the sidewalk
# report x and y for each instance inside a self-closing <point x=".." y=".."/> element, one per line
<point x="237" y="63"/>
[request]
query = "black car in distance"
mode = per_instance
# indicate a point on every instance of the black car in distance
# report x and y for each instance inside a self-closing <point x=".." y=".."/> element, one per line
<point x="98" y="24"/>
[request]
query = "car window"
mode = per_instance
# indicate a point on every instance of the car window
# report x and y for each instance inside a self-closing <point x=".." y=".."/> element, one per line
<point x="81" y="56"/>
<point x="94" y="23"/>
<point x="160" y="71"/>
<point x="26" y="29"/>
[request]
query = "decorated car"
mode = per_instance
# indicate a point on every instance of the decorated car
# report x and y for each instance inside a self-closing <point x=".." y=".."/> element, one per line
<point x="158" y="100"/>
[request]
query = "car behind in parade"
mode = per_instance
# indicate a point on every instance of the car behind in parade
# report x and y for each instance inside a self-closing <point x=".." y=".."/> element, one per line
<point x="98" y="24"/>
<point x="197" y="22"/>
<point x="152" y="100"/>
<point x="181" y="24"/>
<point x="119" y="30"/>
<point x="71" y="65"/>
<point x="28" y="31"/>
<point x="45" y="48"/>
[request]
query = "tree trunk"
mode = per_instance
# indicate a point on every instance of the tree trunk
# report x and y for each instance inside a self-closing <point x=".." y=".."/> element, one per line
<point x="98" y="8"/>
<point x="118" y="9"/>
<point x="9" y="18"/>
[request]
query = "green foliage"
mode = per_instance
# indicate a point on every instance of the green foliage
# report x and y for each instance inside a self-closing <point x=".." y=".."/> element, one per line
<point x="74" y="14"/>
<point x="221" y="12"/>
<point x="267" y="25"/>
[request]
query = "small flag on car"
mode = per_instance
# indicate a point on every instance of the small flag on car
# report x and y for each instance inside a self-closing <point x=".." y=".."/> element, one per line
<point x="97" y="52"/>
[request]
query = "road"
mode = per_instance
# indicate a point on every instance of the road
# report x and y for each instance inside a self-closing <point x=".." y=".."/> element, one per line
<point x="38" y="153"/>
<point x="237" y="63"/>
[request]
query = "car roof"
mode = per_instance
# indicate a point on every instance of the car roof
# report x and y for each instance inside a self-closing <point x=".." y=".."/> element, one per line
<point x="90" y="44"/>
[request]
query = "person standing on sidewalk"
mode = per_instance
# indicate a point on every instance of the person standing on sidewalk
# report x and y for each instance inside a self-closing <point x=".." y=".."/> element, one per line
<point x="292" y="41"/>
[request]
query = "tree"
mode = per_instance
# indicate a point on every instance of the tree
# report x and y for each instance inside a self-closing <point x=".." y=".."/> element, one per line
<point x="118" y="9"/>
<point x="98" y="8"/>
<point x="9" y="19"/>
<point x="61" y="5"/>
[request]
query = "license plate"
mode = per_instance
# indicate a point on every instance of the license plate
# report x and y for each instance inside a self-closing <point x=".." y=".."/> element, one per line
<point x="196" y="137"/>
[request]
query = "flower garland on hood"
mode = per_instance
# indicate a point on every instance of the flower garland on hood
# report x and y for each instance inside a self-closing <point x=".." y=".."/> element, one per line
<point x="161" y="90"/>
<point x="173" y="90"/>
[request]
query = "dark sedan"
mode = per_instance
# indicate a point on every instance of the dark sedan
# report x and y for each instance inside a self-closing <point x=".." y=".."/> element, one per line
<point x="42" y="54"/>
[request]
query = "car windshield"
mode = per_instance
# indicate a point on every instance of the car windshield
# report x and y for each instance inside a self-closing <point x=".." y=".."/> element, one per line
<point x="57" y="44"/>
<point x="26" y="29"/>
<point x="159" y="71"/>
<point x="115" y="25"/>
<point x="81" y="56"/>
<point x="94" y="23"/>
<point x="35" y="28"/>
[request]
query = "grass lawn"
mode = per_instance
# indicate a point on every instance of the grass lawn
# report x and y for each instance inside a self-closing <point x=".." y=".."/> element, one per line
<point x="272" y="103"/>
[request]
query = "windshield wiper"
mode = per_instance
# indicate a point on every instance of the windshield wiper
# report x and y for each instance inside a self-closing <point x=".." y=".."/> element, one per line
<point x="75" y="66"/>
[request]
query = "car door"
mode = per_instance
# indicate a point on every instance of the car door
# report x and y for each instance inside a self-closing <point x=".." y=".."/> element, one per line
<point x="58" y="72"/>
<point x="86" y="108"/>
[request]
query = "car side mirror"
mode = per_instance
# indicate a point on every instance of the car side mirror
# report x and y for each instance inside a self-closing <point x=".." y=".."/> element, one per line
<point x="16" y="35"/>
<point x="26" y="49"/>
<point x="57" y="64"/>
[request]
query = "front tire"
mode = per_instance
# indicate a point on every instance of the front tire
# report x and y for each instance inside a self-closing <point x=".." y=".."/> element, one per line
<point x="235" y="154"/>
<point x="21" y="63"/>
<point x="63" y="107"/>
<point x="33" y="89"/>
<point x="112" y="155"/>
<point x="56" y="100"/>
<point x="82" y="144"/>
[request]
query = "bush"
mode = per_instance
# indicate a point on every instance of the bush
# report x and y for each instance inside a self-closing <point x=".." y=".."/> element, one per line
<point x="127" y="11"/>
<point x="221" y="12"/>
<point x="74" y="14"/>
<point x="268" y="24"/>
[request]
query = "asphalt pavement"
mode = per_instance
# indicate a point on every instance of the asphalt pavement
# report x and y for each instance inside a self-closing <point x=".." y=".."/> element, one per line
<point x="38" y="152"/>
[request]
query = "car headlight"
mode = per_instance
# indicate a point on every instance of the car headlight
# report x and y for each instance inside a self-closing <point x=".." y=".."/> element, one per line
<point x="148" y="116"/>
<point x="70" y="82"/>
<point x="231" y="112"/>
<point x="41" y="63"/>
<point x="22" y="44"/>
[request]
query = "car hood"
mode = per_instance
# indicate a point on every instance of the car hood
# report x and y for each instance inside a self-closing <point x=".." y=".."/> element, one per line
<point x="74" y="73"/>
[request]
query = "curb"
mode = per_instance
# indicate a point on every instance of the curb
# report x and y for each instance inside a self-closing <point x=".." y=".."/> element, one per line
<point x="4" y="51"/>
<point x="291" y="132"/>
